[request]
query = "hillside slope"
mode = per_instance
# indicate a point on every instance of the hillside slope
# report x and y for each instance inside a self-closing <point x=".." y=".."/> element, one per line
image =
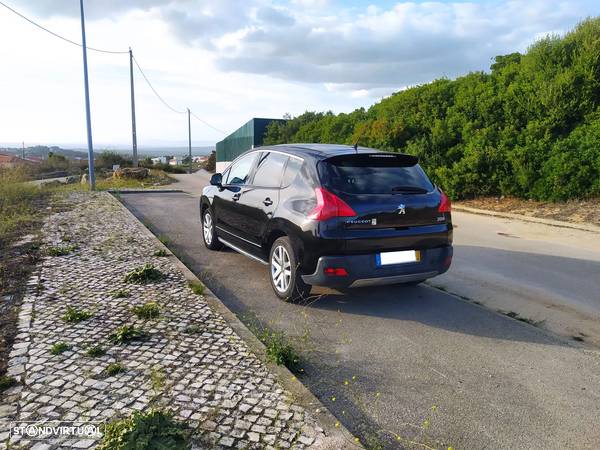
<point x="529" y="128"/>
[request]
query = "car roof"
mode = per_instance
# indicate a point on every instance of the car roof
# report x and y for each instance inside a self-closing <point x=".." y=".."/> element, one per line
<point x="318" y="151"/>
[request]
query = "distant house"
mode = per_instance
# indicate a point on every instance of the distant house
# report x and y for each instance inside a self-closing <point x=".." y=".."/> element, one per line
<point x="199" y="159"/>
<point x="176" y="161"/>
<point x="10" y="161"/>
<point x="160" y="160"/>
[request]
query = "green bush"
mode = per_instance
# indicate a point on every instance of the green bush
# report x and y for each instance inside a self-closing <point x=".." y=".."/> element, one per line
<point x="530" y="127"/>
<point x="146" y="431"/>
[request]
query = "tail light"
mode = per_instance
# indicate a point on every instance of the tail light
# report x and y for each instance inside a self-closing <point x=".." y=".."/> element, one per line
<point x="445" y="205"/>
<point x="329" y="205"/>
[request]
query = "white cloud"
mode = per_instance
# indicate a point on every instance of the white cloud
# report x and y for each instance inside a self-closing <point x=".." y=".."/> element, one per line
<point x="233" y="59"/>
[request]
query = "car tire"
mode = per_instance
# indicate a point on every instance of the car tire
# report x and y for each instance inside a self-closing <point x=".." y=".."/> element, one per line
<point x="209" y="232"/>
<point x="285" y="277"/>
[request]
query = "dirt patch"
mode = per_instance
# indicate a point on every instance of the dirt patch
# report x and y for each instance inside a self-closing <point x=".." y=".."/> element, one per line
<point x="17" y="261"/>
<point x="575" y="211"/>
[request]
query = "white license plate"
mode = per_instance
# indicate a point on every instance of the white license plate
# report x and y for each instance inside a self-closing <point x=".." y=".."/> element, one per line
<point x="406" y="256"/>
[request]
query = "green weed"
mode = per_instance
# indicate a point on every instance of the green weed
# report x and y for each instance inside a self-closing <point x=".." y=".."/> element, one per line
<point x="7" y="382"/>
<point x="147" y="311"/>
<point x="96" y="351"/>
<point x="61" y="250"/>
<point x="74" y="316"/>
<point x="126" y="334"/>
<point x="143" y="275"/>
<point x="196" y="287"/>
<point x="114" y="369"/>
<point x="121" y="293"/>
<point x="59" y="347"/>
<point x="150" y="430"/>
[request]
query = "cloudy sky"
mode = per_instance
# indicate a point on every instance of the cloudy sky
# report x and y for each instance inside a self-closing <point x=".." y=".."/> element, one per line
<point x="230" y="60"/>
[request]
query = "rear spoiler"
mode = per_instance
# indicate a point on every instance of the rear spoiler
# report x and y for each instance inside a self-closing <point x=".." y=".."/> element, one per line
<point x="380" y="159"/>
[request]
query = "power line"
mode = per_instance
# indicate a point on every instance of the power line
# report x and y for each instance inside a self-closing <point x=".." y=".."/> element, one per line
<point x="206" y="123"/>
<point x="55" y="34"/>
<point x="164" y="102"/>
<point x="155" y="91"/>
<point x="115" y="53"/>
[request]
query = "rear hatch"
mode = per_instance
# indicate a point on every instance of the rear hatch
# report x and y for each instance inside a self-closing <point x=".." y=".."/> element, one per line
<point x="396" y="204"/>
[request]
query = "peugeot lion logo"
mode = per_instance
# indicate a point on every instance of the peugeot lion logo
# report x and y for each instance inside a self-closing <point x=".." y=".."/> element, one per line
<point x="401" y="208"/>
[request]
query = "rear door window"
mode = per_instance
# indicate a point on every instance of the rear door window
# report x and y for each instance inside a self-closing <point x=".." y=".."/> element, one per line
<point x="291" y="170"/>
<point x="269" y="170"/>
<point x="376" y="173"/>
<point x="240" y="170"/>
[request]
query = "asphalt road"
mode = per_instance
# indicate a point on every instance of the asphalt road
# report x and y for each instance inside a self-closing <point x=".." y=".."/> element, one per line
<point x="387" y="360"/>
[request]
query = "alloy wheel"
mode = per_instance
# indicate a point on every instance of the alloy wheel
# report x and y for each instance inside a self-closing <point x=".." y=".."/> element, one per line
<point x="281" y="269"/>
<point x="207" y="228"/>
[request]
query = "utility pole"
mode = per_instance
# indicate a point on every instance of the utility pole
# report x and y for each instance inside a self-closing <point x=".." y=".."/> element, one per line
<point x="189" y="141"/>
<point x="92" y="176"/>
<point x="133" y="128"/>
<point x="23" y="151"/>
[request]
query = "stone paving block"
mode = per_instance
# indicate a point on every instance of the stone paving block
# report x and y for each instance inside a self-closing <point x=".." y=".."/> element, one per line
<point x="213" y="381"/>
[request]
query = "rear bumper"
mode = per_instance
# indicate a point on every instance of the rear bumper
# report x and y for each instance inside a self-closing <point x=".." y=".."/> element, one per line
<point x="363" y="270"/>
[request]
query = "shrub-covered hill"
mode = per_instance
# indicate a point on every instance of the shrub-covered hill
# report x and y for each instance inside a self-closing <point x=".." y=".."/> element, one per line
<point x="529" y="128"/>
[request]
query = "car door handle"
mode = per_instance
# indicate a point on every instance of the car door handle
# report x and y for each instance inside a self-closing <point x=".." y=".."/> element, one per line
<point x="236" y="197"/>
<point x="267" y="201"/>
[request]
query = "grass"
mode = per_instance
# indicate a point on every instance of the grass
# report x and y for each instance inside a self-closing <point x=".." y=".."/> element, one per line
<point x="147" y="311"/>
<point x="157" y="379"/>
<point x="95" y="351"/>
<point x="75" y="316"/>
<point x="196" y="287"/>
<point x="157" y="178"/>
<point x="155" y="429"/>
<point x="121" y="293"/>
<point x="143" y="275"/>
<point x="61" y="250"/>
<point x="126" y="334"/>
<point x="59" y="347"/>
<point x="19" y="202"/>
<point x="279" y="349"/>
<point x="160" y="253"/>
<point x="114" y="369"/>
<point x="7" y="382"/>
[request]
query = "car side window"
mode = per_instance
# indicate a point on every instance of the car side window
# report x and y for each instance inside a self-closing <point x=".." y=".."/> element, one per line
<point x="239" y="172"/>
<point x="269" y="170"/>
<point x="291" y="170"/>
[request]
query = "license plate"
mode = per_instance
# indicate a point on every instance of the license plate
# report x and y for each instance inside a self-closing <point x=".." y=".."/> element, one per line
<point x="403" y="257"/>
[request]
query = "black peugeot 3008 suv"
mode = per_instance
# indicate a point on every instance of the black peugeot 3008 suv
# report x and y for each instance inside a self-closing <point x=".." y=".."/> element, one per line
<point x="329" y="215"/>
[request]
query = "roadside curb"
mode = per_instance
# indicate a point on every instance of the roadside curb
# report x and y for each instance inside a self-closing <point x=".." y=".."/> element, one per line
<point x="143" y="191"/>
<point x="337" y="436"/>
<point x="554" y="223"/>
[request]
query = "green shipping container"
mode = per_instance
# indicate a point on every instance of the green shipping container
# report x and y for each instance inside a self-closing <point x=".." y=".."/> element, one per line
<point x="249" y="135"/>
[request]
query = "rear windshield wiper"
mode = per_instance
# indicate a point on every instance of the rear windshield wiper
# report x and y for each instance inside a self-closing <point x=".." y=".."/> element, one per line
<point x="410" y="189"/>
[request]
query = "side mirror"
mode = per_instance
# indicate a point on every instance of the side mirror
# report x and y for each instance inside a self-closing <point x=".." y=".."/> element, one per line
<point x="216" y="179"/>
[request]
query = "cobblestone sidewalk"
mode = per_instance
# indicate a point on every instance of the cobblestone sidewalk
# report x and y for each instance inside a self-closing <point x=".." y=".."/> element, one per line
<point x="211" y="379"/>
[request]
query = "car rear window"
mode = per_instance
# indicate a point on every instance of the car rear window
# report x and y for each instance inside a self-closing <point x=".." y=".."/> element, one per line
<point x="374" y="173"/>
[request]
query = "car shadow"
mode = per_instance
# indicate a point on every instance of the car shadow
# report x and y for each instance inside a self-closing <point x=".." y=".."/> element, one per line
<point x="432" y="307"/>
